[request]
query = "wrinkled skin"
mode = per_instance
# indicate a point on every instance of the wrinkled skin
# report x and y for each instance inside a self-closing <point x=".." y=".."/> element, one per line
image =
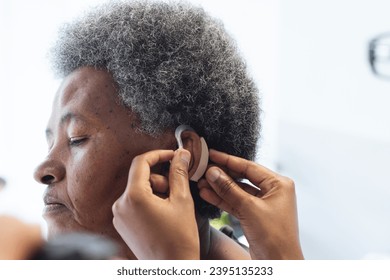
<point x="92" y="141"/>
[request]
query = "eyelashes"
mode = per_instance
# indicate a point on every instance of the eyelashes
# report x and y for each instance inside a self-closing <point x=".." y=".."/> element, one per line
<point x="72" y="142"/>
<point x="77" y="141"/>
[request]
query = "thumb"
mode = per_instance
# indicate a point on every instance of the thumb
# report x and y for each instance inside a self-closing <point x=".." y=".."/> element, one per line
<point x="178" y="173"/>
<point x="225" y="187"/>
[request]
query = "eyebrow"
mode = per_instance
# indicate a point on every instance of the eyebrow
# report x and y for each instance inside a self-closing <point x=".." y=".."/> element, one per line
<point x="65" y="118"/>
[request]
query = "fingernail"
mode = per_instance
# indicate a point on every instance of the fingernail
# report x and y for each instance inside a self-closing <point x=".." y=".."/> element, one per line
<point x="213" y="174"/>
<point x="185" y="156"/>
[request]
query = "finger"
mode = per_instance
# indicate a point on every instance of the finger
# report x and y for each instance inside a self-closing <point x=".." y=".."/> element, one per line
<point x="202" y="183"/>
<point x="250" y="189"/>
<point x="139" y="173"/>
<point x="231" y="173"/>
<point x="159" y="183"/>
<point x="213" y="198"/>
<point x="225" y="187"/>
<point x="255" y="173"/>
<point x="178" y="174"/>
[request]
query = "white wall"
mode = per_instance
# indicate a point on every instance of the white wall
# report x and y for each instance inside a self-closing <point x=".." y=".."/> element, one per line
<point x="27" y="88"/>
<point x="334" y="126"/>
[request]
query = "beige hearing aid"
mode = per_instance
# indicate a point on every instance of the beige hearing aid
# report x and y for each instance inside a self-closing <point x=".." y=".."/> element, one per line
<point x="204" y="157"/>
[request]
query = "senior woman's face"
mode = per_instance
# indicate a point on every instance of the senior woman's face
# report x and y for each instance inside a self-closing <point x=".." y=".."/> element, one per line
<point x="92" y="140"/>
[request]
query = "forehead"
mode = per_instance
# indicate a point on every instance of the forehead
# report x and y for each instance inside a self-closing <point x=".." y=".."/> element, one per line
<point x="89" y="96"/>
<point x="86" y="89"/>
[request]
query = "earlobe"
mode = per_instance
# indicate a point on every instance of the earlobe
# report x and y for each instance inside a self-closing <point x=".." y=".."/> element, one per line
<point x="188" y="139"/>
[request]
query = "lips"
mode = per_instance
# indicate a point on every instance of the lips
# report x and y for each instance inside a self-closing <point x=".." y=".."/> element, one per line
<point x="52" y="202"/>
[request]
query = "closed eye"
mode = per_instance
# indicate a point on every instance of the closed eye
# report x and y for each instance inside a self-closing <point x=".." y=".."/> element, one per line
<point x="77" y="141"/>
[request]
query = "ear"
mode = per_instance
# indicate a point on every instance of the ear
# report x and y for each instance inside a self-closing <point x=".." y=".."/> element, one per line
<point x="192" y="143"/>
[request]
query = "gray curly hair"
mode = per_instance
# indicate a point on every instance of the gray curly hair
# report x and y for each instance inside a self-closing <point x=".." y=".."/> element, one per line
<point x="173" y="65"/>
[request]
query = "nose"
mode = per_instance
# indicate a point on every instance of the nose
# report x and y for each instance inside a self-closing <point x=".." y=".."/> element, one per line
<point x="49" y="172"/>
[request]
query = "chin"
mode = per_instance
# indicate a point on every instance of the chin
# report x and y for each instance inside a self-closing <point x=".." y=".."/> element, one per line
<point x="59" y="226"/>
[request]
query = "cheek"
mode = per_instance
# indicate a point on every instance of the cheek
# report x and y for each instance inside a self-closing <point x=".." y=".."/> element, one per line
<point x="98" y="179"/>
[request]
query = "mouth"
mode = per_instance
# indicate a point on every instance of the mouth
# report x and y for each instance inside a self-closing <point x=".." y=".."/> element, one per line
<point x="52" y="205"/>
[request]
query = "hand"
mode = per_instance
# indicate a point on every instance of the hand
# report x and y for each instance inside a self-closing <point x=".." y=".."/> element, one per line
<point x="155" y="215"/>
<point x="18" y="240"/>
<point x="267" y="214"/>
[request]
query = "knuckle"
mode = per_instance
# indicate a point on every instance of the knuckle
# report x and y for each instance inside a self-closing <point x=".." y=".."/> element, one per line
<point x="137" y="159"/>
<point x="288" y="183"/>
<point x="280" y="181"/>
<point x="284" y="183"/>
<point x="274" y="182"/>
<point x="133" y="198"/>
<point x="226" y="186"/>
<point x="115" y="208"/>
<point x="118" y="208"/>
<point x="181" y="171"/>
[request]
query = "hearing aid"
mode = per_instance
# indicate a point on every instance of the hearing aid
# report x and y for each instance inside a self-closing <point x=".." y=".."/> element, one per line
<point x="204" y="155"/>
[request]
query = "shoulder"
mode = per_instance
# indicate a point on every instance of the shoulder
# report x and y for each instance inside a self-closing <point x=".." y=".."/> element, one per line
<point x="224" y="248"/>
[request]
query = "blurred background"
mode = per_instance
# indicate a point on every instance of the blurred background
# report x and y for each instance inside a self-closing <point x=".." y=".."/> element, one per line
<point x="326" y="119"/>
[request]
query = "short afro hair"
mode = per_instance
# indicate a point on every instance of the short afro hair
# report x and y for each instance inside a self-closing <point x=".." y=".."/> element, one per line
<point x="173" y="64"/>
